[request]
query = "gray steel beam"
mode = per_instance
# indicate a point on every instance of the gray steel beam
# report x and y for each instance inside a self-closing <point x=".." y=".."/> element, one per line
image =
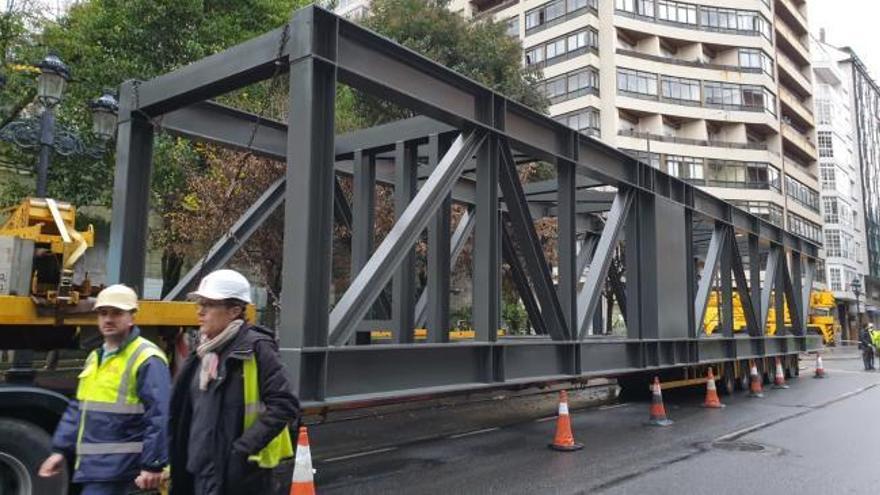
<point x="378" y="271"/>
<point x="588" y="297"/>
<point x="363" y="209"/>
<point x="809" y="273"/>
<point x="707" y="276"/>
<point x="755" y="283"/>
<point x="232" y="240"/>
<point x="239" y="66"/>
<point x="526" y="241"/>
<point x="308" y="209"/>
<point x="487" y="289"/>
<point x="779" y="300"/>
<point x="434" y="299"/>
<point x="725" y="267"/>
<point x="131" y="194"/>
<point x="618" y="288"/>
<point x="521" y="282"/>
<point x="585" y="255"/>
<point x="403" y="286"/>
<point x="463" y="231"/>
<point x="742" y="287"/>
<point x="797" y="294"/>
<point x="769" y="282"/>
<point x="567" y="226"/>
<point x="792" y="296"/>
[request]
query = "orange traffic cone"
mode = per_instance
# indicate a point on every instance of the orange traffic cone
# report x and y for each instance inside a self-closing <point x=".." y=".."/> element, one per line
<point x="756" y="388"/>
<point x="820" y="369"/>
<point x="564" y="440"/>
<point x="712" y="400"/>
<point x="779" y="379"/>
<point x="303" y="482"/>
<point x="658" y="412"/>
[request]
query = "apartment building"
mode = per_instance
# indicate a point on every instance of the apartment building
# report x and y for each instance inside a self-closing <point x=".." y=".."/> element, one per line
<point x="840" y="177"/>
<point x="718" y="93"/>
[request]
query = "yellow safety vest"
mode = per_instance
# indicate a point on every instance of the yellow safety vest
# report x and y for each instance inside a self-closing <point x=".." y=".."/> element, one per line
<point x="111" y="387"/>
<point x="281" y="446"/>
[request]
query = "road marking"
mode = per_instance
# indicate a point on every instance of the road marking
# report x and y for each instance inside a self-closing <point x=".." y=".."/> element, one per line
<point x="739" y="433"/>
<point x="358" y="454"/>
<point x="614" y="406"/>
<point x="475" y="432"/>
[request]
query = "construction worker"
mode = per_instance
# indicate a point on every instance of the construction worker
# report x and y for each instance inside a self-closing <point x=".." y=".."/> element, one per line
<point x="866" y="345"/>
<point x="114" y="431"/>
<point x="231" y="401"/>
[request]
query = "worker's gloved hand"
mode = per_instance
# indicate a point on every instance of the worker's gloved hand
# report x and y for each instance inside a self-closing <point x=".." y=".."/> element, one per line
<point x="148" y="480"/>
<point x="52" y="465"/>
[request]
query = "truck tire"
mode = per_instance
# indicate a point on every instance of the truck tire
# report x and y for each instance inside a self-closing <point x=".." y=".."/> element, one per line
<point x="23" y="447"/>
<point x="727" y="383"/>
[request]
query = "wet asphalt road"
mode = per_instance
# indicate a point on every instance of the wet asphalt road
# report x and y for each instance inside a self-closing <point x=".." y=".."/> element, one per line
<point x="819" y="436"/>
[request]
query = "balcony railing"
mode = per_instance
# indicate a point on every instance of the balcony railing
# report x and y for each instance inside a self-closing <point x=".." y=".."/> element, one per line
<point x="688" y="63"/>
<point x="788" y="65"/>
<point x="793" y="10"/>
<point x="802" y="109"/>
<point x="793" y="39"/>
<point x="794" y="136"/>
<point x="693" y="142"/>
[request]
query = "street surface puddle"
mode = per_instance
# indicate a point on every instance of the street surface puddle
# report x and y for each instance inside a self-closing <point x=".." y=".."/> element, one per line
<point x="737" y="446"/>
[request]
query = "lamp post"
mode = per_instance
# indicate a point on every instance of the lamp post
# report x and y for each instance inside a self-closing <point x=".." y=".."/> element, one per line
<point x="45" y="135"/>
<point x="856" y="287"/>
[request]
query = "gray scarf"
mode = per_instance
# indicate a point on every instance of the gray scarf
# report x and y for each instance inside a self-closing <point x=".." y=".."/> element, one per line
<point x="206" y="352"/>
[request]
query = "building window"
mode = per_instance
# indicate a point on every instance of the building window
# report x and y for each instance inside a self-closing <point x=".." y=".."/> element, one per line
<point x="753" y="58"/>
<point x="743" y="175"/>
<point x="826" y="144"/>
<point x="801" y="193"/>
<point x="834" y="278"/>
<point x="829" y="210"/>
<point x="652" y="159"/>
<point x="680" y="89"/>
<point x="685" y="167"/>
<point x="634" y="82"/>
<point x="572" y="85"/>
<point x="827" y="172"/>
<point x="586" y="121"/>
<point x="768" y="211"/>
<point x="555" y="12"/>
<point x="512" y="26"/>
<point x="676" y="12"/>
<point x="703" y="17"/>
<point x="804" y="228"/>
<point x="739" y="97"/>
<point x="824" y="111"/>
<point x="563" y="48"/>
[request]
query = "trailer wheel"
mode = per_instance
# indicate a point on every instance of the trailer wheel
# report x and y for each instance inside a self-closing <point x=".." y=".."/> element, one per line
<point x="727" y="383"/>
<point x="23" y="447"/>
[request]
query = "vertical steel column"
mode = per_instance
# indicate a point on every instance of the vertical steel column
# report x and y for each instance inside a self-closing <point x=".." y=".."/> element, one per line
<point x="693" y="325"/>
<point x="131" y="194"/>
<point x="727" y="285"/>
<point x="487" y="286"/>
<point x="809" y="272"/>
<point x="755" y="284"/>
<point x="308" y="204"/>
<point x="403" y="285"/>
<point x="707" y="277"/>
<point x="568" y="275"/>
<point x="438" y="264"/>
<point x="364" y="209"/>
<point x="308" y="208"/>
<point x="796" y="303"/>
<point x="769" y="283"/>
<point x="487" y="291"/>
<point x="779" y="293"/>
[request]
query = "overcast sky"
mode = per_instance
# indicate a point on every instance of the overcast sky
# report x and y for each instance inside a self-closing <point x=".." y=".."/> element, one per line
<point x="854" y="23"/>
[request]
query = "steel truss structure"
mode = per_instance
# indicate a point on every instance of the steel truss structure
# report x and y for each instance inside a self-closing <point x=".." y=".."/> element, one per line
<point x="628" y="234"/>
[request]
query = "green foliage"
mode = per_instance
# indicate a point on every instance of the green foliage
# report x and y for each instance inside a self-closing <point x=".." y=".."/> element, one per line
<point x="515" y="315"/>
<point x="479" y="50"/>
<point x="106" y="42"/>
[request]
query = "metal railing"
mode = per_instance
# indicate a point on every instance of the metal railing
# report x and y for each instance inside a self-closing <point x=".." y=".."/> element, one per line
<point x="690" y="141"/>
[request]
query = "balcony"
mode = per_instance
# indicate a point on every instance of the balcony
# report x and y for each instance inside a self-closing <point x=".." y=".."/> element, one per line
<point x="693" y="142"/>
<point x="795" y="105"/>
<point x="801" y="143"/>
<point x="791" y="42"/>
<point x="788" y="68"/>
<point x="792" y="14"/>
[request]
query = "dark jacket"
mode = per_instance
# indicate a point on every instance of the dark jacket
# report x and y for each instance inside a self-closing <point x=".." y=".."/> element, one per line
<point x="225" y="406"/>
<point x="153" y="389"/>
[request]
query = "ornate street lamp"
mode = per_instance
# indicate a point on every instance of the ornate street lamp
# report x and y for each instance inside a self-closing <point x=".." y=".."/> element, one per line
<point x="856" y="287"/>
<point x="33" y="133"/>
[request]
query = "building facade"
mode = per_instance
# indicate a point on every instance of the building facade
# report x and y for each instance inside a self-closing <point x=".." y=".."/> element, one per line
<point x="840" y="178"/>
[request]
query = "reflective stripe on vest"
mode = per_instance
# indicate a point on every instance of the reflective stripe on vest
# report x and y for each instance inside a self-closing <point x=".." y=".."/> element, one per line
<point x="281" y="446"/>
<point x="111" y="387"/>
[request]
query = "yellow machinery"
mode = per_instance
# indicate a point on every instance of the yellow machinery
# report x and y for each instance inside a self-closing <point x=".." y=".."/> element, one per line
<point x="42" y="235"/>
<point x="822" y="320"/>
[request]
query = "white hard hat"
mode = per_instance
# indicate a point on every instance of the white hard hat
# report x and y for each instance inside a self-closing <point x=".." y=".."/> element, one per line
<point x="117" y="296"/>
<point x="224" y="284"/>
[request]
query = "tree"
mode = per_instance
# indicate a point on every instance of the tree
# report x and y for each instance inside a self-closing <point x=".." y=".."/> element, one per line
<point x="480" y="50"/>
